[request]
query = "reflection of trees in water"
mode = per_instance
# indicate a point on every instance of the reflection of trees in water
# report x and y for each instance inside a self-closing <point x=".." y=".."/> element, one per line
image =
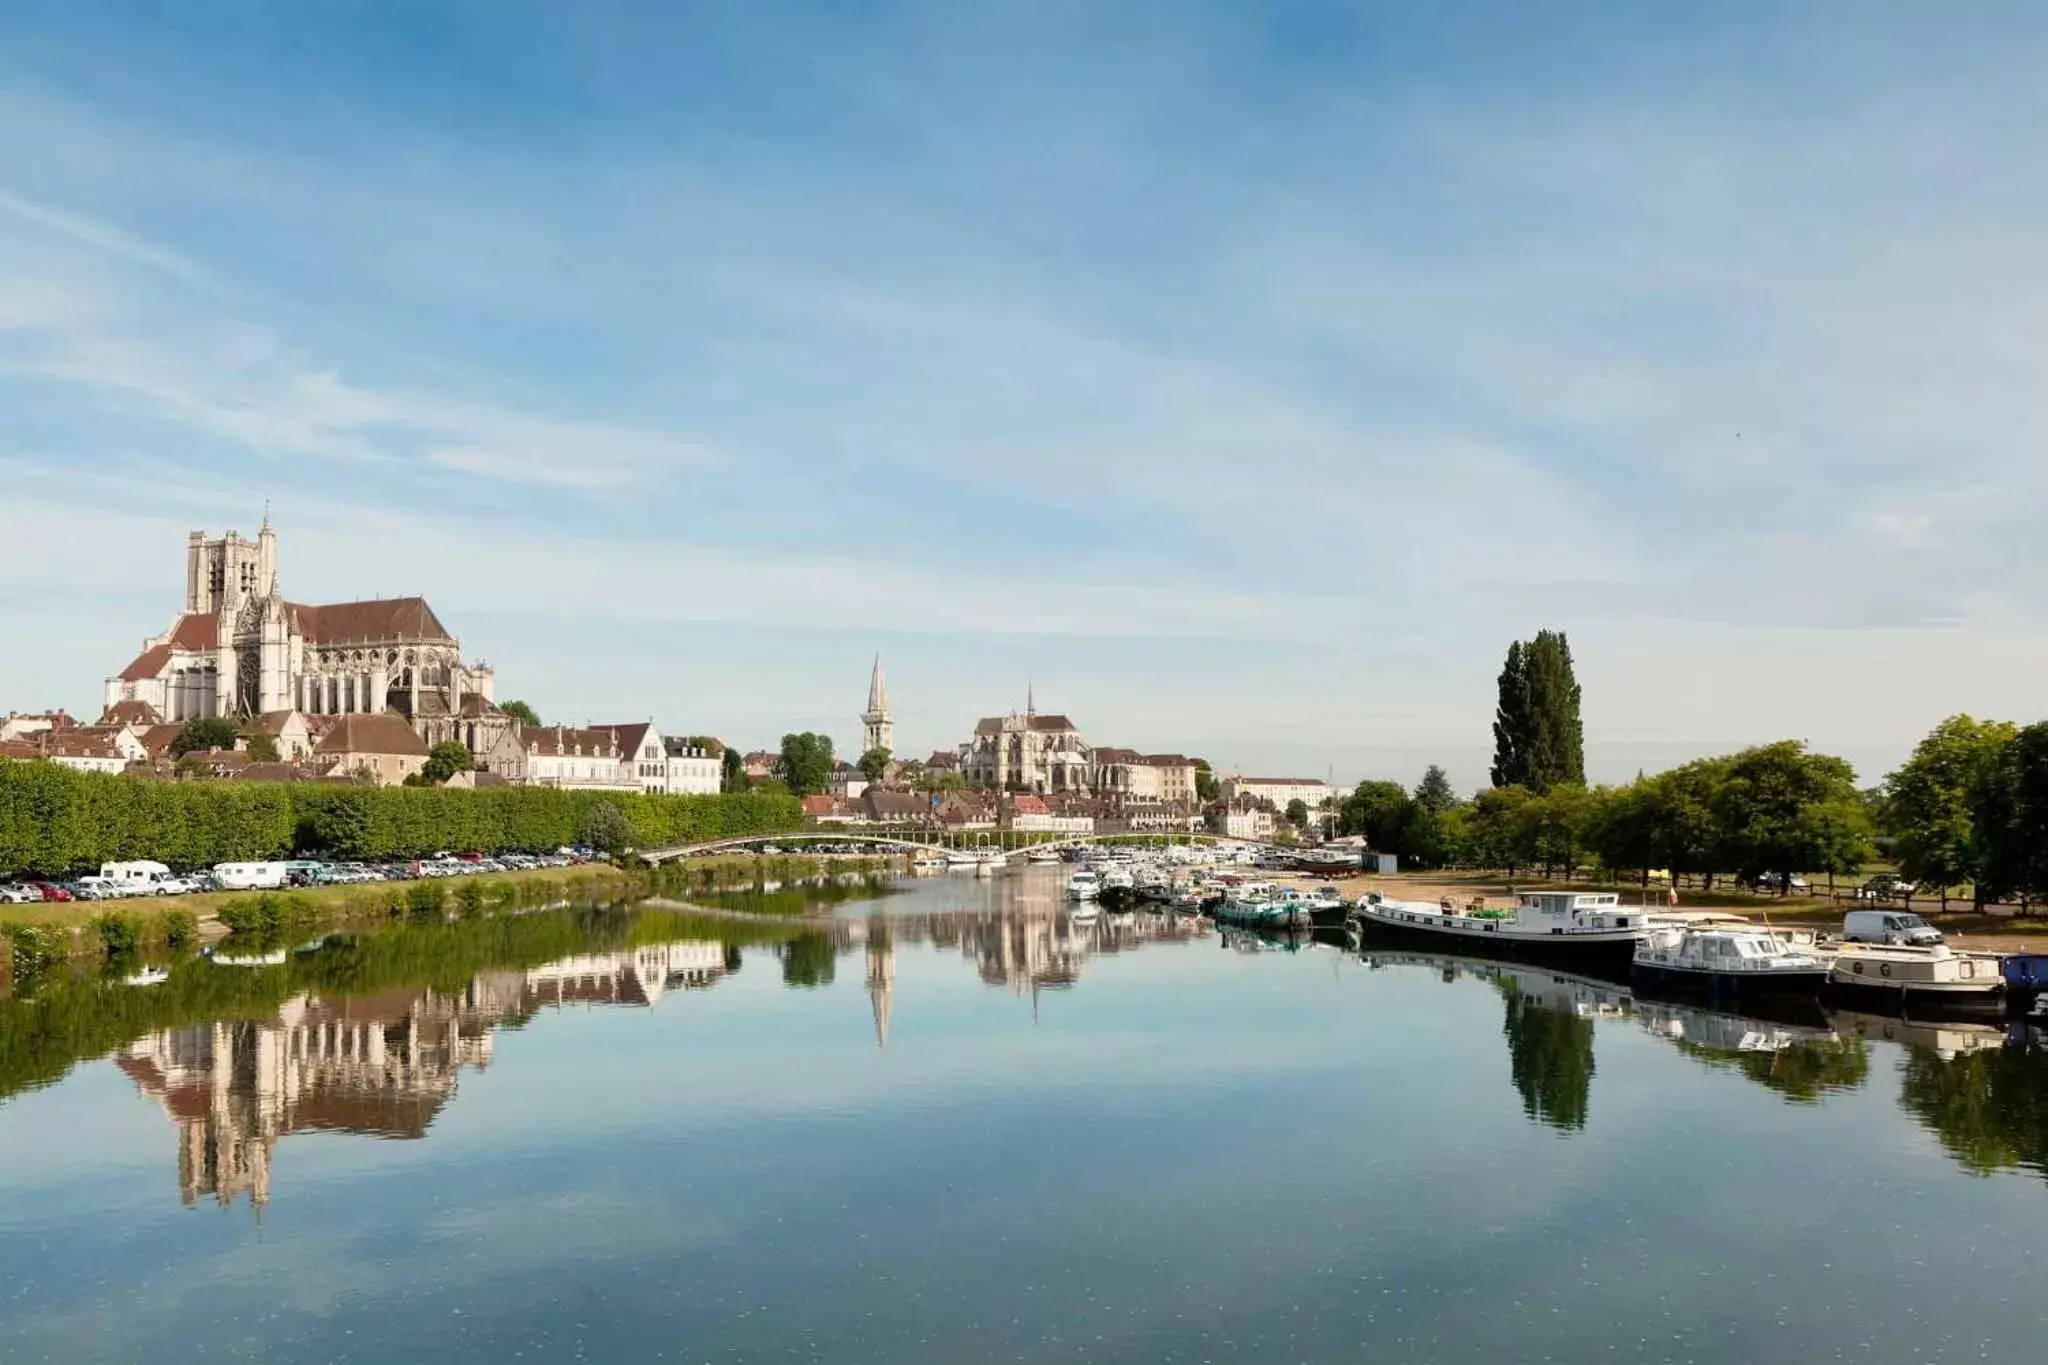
<point x="1802" y="1072"/>
<point x="808" y="960"/>
<point x="1550" y="1053"/>
<point x="1989" y="1108"/>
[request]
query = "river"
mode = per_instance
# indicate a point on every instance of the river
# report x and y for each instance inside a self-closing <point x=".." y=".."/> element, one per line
<point x="952" y="1124"/>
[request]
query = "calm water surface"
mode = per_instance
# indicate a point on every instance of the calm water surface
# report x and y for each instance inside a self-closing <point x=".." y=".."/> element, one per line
<point x="958" y="1126"/>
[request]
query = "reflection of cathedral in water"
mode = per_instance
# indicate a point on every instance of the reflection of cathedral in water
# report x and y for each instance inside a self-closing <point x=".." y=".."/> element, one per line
<point x="1026" y="952"/>
<point x="380" y="1064"/>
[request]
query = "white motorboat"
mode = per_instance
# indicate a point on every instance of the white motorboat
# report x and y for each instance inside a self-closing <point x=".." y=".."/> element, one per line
<point x="1043" y="854"/>
<point x="1117" y="878"/>
<point x="1728" y="962"/>
<point x="1588" y="928"/>
<point x="1084" y="885"/>
<point x="1935" y="978"/>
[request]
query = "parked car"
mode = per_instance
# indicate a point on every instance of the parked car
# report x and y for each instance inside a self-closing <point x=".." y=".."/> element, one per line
<point x="19" y="895"/>
<point x="96" y="889"/>
<point x="51" y="891"/>
<point x="1778" y="881"/>
<point x="175" y="886"/>
<point x="1886" y="886"/>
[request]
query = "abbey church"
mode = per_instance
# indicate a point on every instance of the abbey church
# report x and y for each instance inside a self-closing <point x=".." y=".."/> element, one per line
<point x="240" y="649"/>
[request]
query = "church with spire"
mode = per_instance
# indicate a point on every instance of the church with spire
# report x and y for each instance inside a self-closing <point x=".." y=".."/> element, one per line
<point x="877" y="725"/>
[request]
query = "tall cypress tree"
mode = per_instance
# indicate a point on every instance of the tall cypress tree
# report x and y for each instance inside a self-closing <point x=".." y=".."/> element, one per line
<point x="1538" y="737"/>
<point x="1511" y="722"/>
<point x="1556" y="755"/>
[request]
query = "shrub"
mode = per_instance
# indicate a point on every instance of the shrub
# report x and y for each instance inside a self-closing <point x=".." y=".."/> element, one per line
<point x="267" y="913"/>
<point x="179" y="927"/>
<point x="34" y="947"/>
<point x="426" y="898"/>
<point x="119" y="931"/>
<point x="469" y="896"/>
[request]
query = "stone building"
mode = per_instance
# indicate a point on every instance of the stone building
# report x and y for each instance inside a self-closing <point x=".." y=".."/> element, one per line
<point x="239" y="648"/>
<point x="1027" y="752"/>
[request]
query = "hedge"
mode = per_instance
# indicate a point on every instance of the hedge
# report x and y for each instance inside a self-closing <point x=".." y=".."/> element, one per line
<point x="56" y="820"/>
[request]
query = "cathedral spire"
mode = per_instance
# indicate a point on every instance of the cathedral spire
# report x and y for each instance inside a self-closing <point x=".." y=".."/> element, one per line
<point x="878" y="692"/>
<point x="877" y="726"/>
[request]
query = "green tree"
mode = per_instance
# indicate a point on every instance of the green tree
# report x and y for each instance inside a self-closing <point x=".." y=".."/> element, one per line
<point x="873" y="764"/>
<point x="1538" y="735"/>
<point x="1930" y="802"/>
<point x="521" y="712"/>
<point x="806" y="762"/>
<point x="941" y="780"/>
<point x="207" y="732"/>
<point x="1493" y="828"/>
<point x="1433" y="793"/>
<point x="261" y="748"/>
<point x="1297" y="813"/>
<point x="1781" y="809"/>
<point x="734" y="768"/>
<point x="445" y="760"/>
<point x="1379" y="811"/>
<point x="1207" y="788"/>
<point x="2010" y="813"/>
<point x="605" y="827"/>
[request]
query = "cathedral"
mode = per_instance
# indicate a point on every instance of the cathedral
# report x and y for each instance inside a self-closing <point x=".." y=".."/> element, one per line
<point x="240" y="649"/>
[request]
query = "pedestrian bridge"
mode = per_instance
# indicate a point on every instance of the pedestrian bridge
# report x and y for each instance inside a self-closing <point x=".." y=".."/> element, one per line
<point x="1008" y="846"/>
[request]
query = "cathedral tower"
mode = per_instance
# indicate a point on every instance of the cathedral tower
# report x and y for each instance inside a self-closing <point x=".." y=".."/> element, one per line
<point x="877" y="726"/>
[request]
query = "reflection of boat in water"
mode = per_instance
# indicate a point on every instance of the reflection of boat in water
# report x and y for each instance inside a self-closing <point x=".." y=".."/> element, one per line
<point x="1591" y="930"/>
<point x="1948" y="1038"/>
<point x="1592" y="997"/>
<point x="1799" y="1022"/>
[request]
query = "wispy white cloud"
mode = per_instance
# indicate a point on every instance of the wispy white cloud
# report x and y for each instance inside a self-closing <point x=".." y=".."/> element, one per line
<point x="101" y="237"/>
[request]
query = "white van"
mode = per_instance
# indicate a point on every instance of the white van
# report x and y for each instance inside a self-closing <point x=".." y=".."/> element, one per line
<point x="1889" y="926"/>
<point x="250" y="876"/>
<point x="137" y="878"/>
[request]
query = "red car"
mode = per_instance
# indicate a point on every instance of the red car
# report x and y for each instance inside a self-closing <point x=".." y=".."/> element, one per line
<point x="50" y="891"/>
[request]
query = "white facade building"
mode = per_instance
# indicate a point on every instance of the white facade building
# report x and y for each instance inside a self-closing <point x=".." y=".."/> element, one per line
<point x="1279" y="790"/>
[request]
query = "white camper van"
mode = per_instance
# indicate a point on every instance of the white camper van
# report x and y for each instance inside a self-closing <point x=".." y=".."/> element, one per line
<point x="249" y="876"/>
<point x="139" y="878"/>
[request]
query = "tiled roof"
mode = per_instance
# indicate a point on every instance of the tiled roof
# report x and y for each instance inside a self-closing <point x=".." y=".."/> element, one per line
<point x="475" y="706"/>
<point x="989" y="725"/>
<point x="157" y="738"/>
<point x="148" y="664"/>
<point x="131" y="712"/>
<point x="270" y="723"/>
<point x="195" y="633"/>
<point x="555" y="741"/>
<point x="1105" y="754"/>
<point x="943" y="759"/>
<point x="817" y="805"/>
<point x="19" y="748"/>
<point x="383" y="618"/>
<point x="384" y="733"/>
<point x="628" y="738"/>
<point x="79" y="743"/>
<point x="1166" y="761"/>
<point x="884" y="805"/>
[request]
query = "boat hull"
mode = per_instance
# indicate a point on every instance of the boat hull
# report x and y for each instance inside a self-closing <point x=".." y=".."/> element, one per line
<point x="1802" y="984"/>
<point x="1920" y="999"/>
<point x="1607" y="954"/>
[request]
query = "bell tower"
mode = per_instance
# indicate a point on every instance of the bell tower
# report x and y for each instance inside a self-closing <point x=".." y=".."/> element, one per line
<point x="877" y="726"/>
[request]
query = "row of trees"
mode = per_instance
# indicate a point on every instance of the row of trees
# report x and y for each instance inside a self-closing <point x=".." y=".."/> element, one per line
<point x="1970" y="807"/>
<point x="1774" y="808"/>
<point x="54" y="820"/>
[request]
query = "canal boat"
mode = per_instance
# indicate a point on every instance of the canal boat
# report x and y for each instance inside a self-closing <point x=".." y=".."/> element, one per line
<point x="1084" y="885"/>
<point x="1934" y="979"/>
<point x="1727" y="963"/>
<point x="1327" y="908"/>
<point x="1592" y="930"/>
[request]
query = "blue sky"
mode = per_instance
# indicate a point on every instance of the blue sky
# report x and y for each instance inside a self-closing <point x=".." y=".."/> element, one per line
<point x="1245" y="376"/>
